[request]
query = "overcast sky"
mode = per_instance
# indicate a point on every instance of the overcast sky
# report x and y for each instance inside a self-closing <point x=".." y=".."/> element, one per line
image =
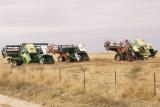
<point x="90" y="22"/>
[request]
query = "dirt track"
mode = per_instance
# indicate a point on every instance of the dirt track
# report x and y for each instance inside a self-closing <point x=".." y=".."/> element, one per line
<point x="6" y="101"/>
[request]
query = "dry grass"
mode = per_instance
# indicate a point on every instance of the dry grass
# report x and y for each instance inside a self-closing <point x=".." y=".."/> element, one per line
<point x="135" y="82"/>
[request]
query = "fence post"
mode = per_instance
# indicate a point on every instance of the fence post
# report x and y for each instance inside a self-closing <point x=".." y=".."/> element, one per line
<point x="60" y="70"/>
<point x="24" y="69"/>
<point x="84" y="80"/>
<point x="11" y="68"/>
<point x="41" y="70"/>
<point x="84" y="77"/>
<point x="22" y="72"/>
<point x="115" y="82"/>
<point x="155" y="91"/>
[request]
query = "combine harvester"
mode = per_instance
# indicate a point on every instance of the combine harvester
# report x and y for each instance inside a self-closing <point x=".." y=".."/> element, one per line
<point x="27" y="53"/>
<point x="140" y="50"/>
<point x="69" y="53"/>
<point x="43" y="53"/>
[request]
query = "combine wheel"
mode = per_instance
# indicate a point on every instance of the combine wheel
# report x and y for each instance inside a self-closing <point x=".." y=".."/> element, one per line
<point x="14" y="63"/>
<point x="9" y="60"/>
<point x="130" y="59"/>
<point x="118" y="57"/>
<point x="61" y="59"/>
<point x="41" y="61"/>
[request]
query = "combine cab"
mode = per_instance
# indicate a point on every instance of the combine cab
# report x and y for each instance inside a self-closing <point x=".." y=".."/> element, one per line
<point x="139" y="50"/>
<point x="11" y="50"/>
<point x="70" y="53"/>
<point x="13" y="54"/>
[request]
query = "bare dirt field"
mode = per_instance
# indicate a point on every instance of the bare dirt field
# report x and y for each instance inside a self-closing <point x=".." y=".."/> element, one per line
<point x="107" y="83"/>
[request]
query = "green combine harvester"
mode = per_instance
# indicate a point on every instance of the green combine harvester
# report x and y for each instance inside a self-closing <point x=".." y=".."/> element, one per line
<point x="76" y="53"/>
<point x="70" y="53"/>
<point x="27" y="53"/>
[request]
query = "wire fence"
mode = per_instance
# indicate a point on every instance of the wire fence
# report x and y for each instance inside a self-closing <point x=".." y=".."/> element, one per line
<point x="115" y="77"/>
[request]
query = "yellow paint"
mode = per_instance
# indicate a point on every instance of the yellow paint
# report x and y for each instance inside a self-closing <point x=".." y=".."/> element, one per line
<point x="31" y="48"/>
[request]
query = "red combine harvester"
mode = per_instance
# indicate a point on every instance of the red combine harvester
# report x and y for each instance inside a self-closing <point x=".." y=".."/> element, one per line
<point x="139" y="50"/>
<point x="122" y="53"/>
